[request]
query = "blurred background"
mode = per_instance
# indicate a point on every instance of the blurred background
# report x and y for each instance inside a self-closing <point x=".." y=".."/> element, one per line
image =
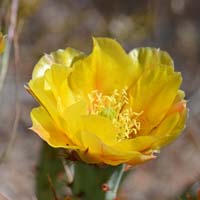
<point x="43" y="26"/>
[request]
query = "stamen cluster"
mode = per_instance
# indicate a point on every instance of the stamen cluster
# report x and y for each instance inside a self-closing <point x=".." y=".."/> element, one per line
<point x="116" y="107"/>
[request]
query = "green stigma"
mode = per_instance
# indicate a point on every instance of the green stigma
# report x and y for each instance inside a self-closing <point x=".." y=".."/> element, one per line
<point x="108" y="113"/>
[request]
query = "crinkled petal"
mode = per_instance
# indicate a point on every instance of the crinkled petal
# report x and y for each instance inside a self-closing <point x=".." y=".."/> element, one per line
<point x="60" y="57"/>
<point x="148" y="57"/>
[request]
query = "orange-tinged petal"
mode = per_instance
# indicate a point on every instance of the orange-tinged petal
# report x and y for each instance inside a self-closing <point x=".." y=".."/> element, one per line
<point x="166" y="126"/>
<point x="169" y="129"/>
<point x="118" y="157"/>
<point x="173" y="124"/>
<point x="45" y="127"/>
<point x="177" y="130"/>
<point x="140" y="158"/>
<point x="179" y="103"/>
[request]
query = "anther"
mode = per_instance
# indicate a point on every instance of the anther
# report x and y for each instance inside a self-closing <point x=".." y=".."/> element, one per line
<point x="116" y="108"/>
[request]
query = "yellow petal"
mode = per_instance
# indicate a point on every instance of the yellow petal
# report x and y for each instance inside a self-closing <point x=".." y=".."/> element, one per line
<point x="170" y="128"/>
<point x="153" y="94"/>
<point x="55" y="80"/>
<point x="140" y="158"/>
<point x="173" y="123"/>
<point x="101" y="127"/>
<point x="117" y="157"/>
<point x="108" y="67"/>
<point x="94" y="147"/>
<point x="52" y="90"/>
<point x="60" y="57"/>
<point x="150" y="57"/>
<point x="72" y="118"/>
<point x="65" y="132"/>
<point x="82" y="79"/>
<point x="63" y="81"/>
<point x="177" y="130"/>
<point x="98" y="152"/>
<point x="166" y="126"/>
<point x="45" y="127"/>
<point x="179" y="104"/>
<point x="91" y="134"/>
<point x="146" y="58"/>
<point x="140" y="143"/>
<point x="44" y="97"/>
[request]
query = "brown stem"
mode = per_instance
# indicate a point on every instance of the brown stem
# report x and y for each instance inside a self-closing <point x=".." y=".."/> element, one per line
<point x="52" y="187"/>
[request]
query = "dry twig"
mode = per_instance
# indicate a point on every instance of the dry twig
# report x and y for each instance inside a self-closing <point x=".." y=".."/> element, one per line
<point x="12" y="38"/>
<point x="11" y="33"/>
<point x="52" y="188"/>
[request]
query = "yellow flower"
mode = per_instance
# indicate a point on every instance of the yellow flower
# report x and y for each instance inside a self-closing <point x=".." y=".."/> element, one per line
<point x="110" y="107"/>
<point x="2" y="43"/>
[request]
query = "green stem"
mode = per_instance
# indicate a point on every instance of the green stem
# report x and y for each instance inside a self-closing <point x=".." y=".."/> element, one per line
<point x="114" y="182"/>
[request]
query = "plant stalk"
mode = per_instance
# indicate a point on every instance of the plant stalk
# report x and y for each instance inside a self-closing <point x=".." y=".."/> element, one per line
<point x="114" y="183"/>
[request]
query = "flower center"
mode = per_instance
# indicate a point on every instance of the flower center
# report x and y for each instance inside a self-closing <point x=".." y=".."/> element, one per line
<point x="116" y="108"/>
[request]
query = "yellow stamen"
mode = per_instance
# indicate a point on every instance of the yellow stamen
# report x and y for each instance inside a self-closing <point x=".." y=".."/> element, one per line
<point x="116" y="107"/>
